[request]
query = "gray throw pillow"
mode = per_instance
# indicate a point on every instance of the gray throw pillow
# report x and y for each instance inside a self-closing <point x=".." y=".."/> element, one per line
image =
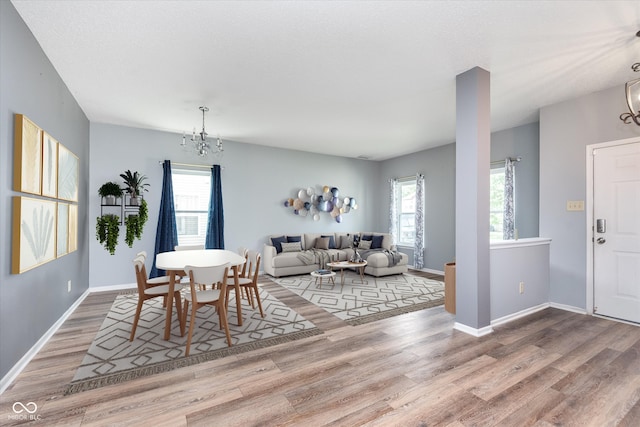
<point x="364" y="245"/>
<point x="322" y="243"/>
<point x="345" y="242"/>
<point x="291" y="247"/>
<point x="332" y="242"/>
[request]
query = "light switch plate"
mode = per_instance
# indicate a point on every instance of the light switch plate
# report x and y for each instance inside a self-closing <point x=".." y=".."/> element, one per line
<point x="575" y="205"/>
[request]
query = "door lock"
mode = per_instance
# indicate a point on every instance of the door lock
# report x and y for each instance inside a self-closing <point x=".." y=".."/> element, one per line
<point x="601" y="240"/>
<point x="601" y="225"/>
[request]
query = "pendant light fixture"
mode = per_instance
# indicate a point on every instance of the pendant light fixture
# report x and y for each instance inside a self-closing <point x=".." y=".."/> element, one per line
<point x="199" y="142"/>
<point x="632" y="92"/>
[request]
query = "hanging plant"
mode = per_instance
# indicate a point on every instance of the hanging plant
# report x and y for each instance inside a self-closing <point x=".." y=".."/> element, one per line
<point x="107" y="231"/>
<point x="135" y="223"/>
<point x="133" y="227"/>
<point x="143" y="213"/>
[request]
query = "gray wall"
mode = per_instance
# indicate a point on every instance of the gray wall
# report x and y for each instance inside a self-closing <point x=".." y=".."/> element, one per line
<point x="29" y="85"/>
<point x="255" y="182"/>
<point x="438" y="166"/>
<point x="510" y="265"/>
<point x="566" y="129"/>
<point x="522" y="141"/>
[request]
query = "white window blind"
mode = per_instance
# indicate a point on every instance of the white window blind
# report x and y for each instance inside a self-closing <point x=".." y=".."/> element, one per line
<point x="406" y="210"/>
<point x="191" y="192"/>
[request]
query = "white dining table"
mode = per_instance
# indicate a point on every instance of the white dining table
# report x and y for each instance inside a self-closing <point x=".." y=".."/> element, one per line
<point x="174" y="262"/>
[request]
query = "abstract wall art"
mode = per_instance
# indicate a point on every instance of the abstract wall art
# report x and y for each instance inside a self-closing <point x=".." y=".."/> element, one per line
<point x="73" y="228"/>
<point x="49" y="165"/>
<point x="27" y="160"/>
<point x="43" y="229"/>
<point x="34" y="229"/>
<point x="312" y="203"/>
<point x="62" y="234"/>
<point x="68" y="169"/>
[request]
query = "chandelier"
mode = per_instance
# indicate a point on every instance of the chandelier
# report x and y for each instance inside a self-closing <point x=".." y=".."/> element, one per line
<point x="632" y="91"/>
<point x="199" y="142"/>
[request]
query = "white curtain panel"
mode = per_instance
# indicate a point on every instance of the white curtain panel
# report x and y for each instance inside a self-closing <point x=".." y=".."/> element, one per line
<point x="509" y="220"/>
<point x="418" y="250"/>
<point x="393" y="214"/>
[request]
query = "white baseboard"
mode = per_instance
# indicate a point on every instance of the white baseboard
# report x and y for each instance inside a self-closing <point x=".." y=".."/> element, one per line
<point x="24" y="361"/>
<point x="513" y="316"/>
<point x="473" y="331"/>
<point x="500" y="321"/>
<point x="568" y="308"/>
<point x="113" y="287"/>
<point x="428" y="270"/>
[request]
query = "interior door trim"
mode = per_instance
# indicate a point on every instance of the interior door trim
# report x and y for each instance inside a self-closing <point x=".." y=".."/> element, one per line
<point x="589" y="212"/>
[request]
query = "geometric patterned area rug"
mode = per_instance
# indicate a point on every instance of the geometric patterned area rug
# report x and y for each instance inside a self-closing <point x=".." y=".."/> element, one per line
<point x="374" y="298"/>
<point x="112" y="358"/>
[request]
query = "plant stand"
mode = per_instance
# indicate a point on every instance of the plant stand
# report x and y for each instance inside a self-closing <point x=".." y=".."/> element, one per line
<point x="122" y="206"/>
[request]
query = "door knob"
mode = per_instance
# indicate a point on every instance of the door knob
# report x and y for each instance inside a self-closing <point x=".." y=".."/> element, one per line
<point x="601" y="240"/>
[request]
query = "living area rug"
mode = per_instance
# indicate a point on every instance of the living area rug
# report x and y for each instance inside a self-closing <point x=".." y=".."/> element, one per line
<point x="374" y="298"/>
<point x="112" y="358"/>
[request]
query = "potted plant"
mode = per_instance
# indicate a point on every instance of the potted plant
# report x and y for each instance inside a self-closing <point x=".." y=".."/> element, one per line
<point x="135" y="223"/>
<point x="107" y="230"/>
<point x="135" y="185"/>
<point x="110" y="191"/>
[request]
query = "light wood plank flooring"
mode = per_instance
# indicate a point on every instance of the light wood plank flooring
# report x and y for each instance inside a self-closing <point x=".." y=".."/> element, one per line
<point x="551" y="368"/>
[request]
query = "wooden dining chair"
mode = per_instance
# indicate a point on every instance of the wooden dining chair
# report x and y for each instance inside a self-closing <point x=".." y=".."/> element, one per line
<point x="153" y="281"/>
<point x="183" y="274"/>
<point x="146" y="291"/>
<point x="242" y="272"/>
<point x="250" y="283"/>
<point x="216" y="276"/>
<point x="160" y="279"/>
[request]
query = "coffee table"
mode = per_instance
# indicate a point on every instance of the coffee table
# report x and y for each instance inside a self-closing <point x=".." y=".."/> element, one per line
<point x="326" y="274"/>
<point x="348" y="264"/>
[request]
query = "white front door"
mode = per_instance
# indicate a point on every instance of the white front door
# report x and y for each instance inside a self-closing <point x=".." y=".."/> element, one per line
<point x="616" y="231"/>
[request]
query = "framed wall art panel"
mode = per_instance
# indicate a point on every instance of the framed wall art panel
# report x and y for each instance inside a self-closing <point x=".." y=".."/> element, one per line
<point x="27" y="157"/>
<point x="49" y="165"/>
<point x="34" y="222"/>
<point x="68" y="169"/>
<point x="62" y="234"/>
<point x="73" y="228"/>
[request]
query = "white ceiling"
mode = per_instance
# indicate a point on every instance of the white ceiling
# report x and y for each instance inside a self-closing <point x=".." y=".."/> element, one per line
<point x="352" y="78"/>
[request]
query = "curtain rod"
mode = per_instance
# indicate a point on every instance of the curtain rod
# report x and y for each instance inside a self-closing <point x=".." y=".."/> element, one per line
<point x="513" y="159"/>
<point x="402" y="178"/>
<point x="190" y="165"/>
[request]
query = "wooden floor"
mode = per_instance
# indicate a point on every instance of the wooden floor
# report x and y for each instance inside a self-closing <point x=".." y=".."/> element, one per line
<point x="551" y="368"/>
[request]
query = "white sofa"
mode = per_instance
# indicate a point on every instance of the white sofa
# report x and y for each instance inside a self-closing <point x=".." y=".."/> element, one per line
<point x="278" y="264"/>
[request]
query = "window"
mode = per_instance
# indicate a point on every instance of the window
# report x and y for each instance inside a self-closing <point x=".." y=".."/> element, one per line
<point x="496" y="204"/>
<point x="406" y="210"/>
<point x="191" y="191"/>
